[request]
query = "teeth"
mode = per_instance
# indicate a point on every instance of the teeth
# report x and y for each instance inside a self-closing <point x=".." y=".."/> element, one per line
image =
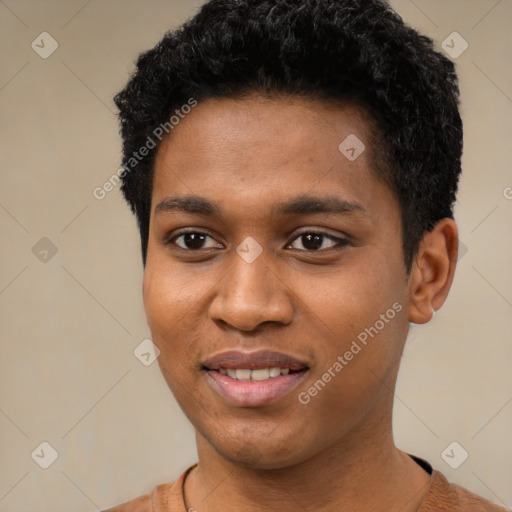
<point x="275" y="372"/>
<point x="243" y="374"/>
<point x="261" y="374"/>
<point x="257" y="375"/>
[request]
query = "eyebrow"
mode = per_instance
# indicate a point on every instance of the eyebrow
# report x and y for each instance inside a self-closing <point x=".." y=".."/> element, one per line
<point x="311" y="204"/>
<point x="298" y="206"/>
<point x="188" y="204"/>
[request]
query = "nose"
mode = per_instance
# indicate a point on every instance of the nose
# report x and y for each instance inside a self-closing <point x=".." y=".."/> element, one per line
<point x="251" y="294"/>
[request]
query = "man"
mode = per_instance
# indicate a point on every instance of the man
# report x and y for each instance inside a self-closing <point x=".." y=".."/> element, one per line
<point x="293" y="167"/>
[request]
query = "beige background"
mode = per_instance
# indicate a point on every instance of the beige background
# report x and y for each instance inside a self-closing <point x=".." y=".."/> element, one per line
<point x="69" y="325"/>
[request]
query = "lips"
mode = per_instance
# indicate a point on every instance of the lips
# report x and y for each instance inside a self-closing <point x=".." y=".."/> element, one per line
<point x="253" y="379"/>
<point x="235" y="359"/>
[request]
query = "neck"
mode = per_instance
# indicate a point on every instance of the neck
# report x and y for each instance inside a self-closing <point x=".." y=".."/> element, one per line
<point x="364" y="471"/>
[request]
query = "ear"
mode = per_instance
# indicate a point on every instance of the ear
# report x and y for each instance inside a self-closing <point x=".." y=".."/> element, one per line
<point x="432" y="271"/>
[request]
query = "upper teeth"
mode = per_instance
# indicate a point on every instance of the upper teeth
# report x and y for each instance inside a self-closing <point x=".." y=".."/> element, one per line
<point x="259" y="374"/>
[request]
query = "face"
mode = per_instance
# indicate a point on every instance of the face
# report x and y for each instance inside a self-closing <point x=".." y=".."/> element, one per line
<point x="275" y="286"/>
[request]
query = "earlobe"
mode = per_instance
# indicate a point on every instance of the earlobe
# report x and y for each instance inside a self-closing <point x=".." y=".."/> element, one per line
<point x="432" y="271"/>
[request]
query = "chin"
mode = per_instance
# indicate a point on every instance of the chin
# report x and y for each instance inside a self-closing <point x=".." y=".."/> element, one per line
<point x="260" y="454"/>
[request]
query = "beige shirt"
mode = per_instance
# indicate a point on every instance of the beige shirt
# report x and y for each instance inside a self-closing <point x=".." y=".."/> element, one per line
<point x="441" y="497"/>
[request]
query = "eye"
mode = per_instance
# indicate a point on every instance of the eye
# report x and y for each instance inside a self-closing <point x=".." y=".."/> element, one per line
<point x="194" y="240"/>
<point x="316" y="241"/>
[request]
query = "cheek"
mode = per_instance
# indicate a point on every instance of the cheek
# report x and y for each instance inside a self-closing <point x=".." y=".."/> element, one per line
<point x="168" y="295"/>
<point x="172" y="330"/>
<point x="166" y="310"/>
<point x="354" y="371"/>
<point x="174" y="302"/>
<point x="360" y="319"/>
<point x="352" y="298"/>
<point x="157" y="300"/>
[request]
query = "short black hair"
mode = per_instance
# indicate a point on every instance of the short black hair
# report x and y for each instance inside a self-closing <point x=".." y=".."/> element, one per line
<point x="355" y="50"/>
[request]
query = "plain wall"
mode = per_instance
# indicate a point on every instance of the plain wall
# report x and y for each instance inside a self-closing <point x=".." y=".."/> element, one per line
<point x="69" y="325"/>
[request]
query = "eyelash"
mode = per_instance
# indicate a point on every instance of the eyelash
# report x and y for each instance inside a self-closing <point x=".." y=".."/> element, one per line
<point x="340" y="242"/>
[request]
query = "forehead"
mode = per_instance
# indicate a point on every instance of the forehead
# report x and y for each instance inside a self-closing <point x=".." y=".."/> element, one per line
<point x="250" y="150"/>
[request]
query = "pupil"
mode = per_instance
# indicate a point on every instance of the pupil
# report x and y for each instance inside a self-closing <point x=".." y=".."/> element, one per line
<point x="194" y="240"/>
<point x="312" y="241"/>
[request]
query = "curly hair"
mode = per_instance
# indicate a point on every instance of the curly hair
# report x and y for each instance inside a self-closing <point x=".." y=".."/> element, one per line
<point x="354" y="50"/>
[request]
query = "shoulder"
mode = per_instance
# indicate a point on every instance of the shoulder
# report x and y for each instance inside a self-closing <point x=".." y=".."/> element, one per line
<point x="446" y="497"/>
<point x="163" y="498"/>
<point x="140" y="504"/>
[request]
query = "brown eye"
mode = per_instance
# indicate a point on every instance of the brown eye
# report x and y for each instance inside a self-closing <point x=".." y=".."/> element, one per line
<point x="312" y="241"/>
<point x="315" y="241"/>
<point x="194" y="241"/>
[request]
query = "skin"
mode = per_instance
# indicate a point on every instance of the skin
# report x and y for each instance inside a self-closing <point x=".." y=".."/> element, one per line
<point x="247" y="156"/>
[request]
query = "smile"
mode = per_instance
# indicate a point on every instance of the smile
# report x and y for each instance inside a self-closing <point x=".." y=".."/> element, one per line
<point x="253" y="379"/>
<point x="254" y="375"/>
